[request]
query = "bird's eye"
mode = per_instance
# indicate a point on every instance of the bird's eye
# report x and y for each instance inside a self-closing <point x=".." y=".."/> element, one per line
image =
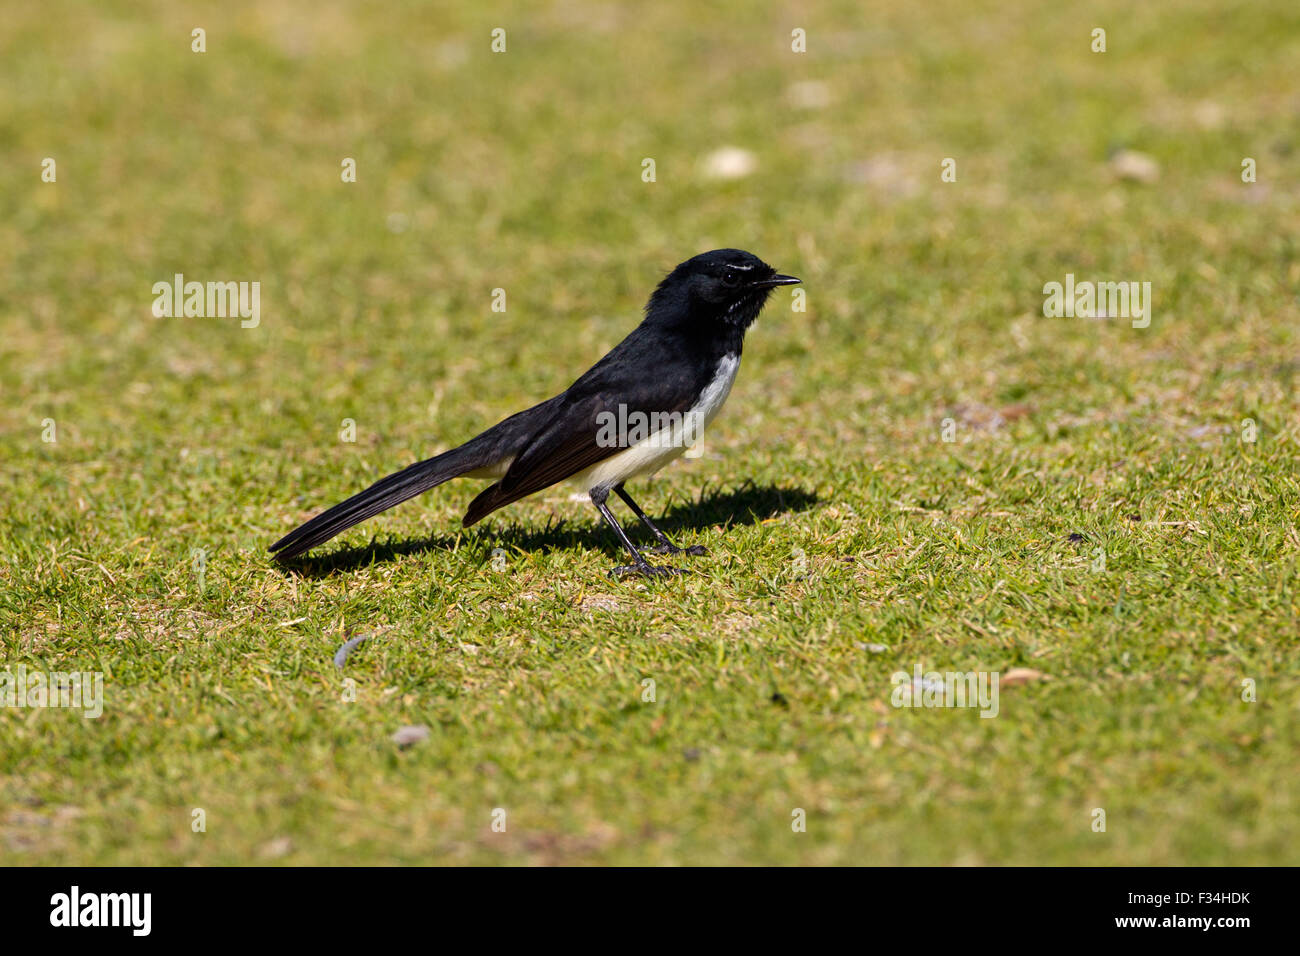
<point x="731" y="278"/>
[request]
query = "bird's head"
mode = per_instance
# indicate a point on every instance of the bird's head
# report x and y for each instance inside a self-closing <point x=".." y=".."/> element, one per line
<point x="726" y="285"/>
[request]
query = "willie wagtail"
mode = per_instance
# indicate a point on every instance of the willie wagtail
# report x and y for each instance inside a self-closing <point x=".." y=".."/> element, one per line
<point x="666" y="380"/>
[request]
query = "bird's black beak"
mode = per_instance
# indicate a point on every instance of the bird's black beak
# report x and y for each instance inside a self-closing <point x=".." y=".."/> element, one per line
<point x="774" y="281"/>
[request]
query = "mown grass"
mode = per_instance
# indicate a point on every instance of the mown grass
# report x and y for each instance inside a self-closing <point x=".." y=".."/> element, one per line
<point x="848" y="540"/>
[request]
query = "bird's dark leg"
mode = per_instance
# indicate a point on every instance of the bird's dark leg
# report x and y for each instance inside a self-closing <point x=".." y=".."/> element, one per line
<point x="640" y="565"/>
<point x="665" y="545"/>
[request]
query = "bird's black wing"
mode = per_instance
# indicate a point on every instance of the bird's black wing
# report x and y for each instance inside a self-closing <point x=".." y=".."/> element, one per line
<point x="569" y="441"/>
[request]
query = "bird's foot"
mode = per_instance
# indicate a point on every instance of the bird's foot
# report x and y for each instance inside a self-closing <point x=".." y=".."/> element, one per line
<point x="645" y="569"/>
<point x="696" y="550"/>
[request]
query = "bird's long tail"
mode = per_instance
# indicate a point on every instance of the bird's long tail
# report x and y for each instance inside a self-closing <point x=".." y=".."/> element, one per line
<point x="383" y="495"/>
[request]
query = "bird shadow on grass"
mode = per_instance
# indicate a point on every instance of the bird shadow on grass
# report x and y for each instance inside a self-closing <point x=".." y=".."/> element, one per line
<point x="745" y="505"/>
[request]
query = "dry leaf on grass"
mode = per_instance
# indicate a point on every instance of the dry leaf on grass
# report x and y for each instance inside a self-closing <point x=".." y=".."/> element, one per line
<point x="1020" y="675"/>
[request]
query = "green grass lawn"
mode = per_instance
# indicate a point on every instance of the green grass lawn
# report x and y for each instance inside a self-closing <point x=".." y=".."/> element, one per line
<point x="1100" y="516"/>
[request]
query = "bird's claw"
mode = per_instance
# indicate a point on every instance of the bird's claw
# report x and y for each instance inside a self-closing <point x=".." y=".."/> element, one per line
<point x="645" y="569"/>
<point x="696" y="550"/>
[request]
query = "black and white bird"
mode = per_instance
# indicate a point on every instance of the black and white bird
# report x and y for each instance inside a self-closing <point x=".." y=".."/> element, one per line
<point x="674" y="372"/>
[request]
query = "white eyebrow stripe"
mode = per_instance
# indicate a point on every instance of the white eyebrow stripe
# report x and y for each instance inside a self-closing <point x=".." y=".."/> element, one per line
<point x="745" y="268"/>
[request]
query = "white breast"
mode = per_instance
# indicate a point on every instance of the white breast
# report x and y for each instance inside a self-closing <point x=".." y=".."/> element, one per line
<point x="648" y="456"/>
<point x="713" y="397"/>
